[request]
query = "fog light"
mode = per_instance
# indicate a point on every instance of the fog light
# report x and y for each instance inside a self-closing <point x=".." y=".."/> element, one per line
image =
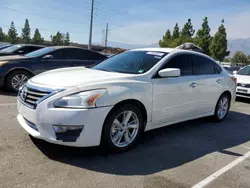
<point x="64" y="128"/>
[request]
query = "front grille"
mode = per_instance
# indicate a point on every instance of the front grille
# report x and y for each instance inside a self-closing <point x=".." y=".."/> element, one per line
<point x="31" y="95"/>
<point x="243" y="85"/>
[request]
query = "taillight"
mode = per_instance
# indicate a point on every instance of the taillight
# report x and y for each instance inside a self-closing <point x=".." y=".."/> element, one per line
<point x="234" y="79"/>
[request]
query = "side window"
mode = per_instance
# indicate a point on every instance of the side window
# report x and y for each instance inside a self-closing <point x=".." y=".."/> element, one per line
<point x="69" y="53"/>
<point x="182" y="62"/>
<point x="89" y="55"/>
<point x="217" y="69"/>
<point x="56" y="54"/>
<point x="29" y="49"/>
<point x="203" y="65"/>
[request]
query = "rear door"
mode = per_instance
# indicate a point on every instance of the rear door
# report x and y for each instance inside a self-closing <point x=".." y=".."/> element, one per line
<point x="87" y="58"/>
<point x="209" y="80"/>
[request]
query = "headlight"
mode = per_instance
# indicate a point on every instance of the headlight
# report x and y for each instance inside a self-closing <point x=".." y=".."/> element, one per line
<point x="84" y="99"/>
<point x="3" y="62"/>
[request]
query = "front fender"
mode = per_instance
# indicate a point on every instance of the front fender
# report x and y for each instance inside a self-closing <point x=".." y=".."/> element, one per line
<point x="117" y="92"/>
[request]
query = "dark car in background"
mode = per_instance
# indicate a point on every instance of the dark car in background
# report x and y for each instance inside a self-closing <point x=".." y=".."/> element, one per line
<point x="16" y="70"/>
<point x="3" y="46"/>
<point x="19" y="49"/>
<point x="231" y="69"/>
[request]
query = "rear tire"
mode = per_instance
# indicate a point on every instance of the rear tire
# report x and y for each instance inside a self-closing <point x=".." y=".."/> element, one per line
<point x="222" y="108"/>
<point x="122" y="128"/>
<point x="16" y="79"/>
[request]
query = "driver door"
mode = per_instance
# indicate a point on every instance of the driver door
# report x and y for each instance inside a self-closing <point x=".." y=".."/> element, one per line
<point x="59" y="59"/>
<point x="174" y="98"/>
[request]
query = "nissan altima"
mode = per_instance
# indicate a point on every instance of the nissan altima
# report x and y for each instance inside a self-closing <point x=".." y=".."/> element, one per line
<point x="114" y="102"/>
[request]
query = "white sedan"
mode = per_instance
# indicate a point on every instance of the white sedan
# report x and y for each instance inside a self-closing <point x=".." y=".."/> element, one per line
<point x="117" y="100"/>
<point x="243" y="82"/>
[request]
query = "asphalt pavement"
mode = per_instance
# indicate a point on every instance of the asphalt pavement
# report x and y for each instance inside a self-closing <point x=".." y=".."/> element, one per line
<point x="197" y="153"/>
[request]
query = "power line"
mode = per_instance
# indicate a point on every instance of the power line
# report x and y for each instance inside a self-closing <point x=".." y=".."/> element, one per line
<point x="35" y="14"/>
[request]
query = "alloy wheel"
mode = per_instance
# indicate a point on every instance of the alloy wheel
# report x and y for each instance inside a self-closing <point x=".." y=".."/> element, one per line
<point x="223" y="107"/>
<point x="18" y="80"/>
<point x="124" y="129"/>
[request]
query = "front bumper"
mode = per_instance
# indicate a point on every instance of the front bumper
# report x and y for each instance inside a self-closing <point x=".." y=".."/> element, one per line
<point x="243" y="92"/>
<point x="39" y="123"/>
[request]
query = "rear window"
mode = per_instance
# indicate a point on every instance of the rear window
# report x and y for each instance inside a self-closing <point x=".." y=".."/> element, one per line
<point x="204" y="65"/>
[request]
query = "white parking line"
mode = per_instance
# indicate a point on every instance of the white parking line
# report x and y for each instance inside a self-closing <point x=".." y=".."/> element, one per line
<point x="7" y="104"/>
<point x="215" y="175"/>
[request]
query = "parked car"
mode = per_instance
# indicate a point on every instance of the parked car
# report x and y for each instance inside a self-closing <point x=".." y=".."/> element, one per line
<point x="231" y="69"/>
<point x="19" y="49"/>
<point x="243" y="82"/>
<point x="123" y="96"/>
<point x="4" y="46"/>
<point x="16" y="70"/>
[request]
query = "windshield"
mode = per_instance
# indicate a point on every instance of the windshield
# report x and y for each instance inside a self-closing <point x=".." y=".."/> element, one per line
<point x="244" y="71"/>
<point x="11" y="49"/>
<point x="40" y="52"/>
<point x="131" y="62"/>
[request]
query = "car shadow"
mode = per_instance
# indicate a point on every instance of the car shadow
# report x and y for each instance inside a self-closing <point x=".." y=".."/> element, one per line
<point x="243" y="100"/>
<point x="3" y="91"/>
<point x="160" y="149"/>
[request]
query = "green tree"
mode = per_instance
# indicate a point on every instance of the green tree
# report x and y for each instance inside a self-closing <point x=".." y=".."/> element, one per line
<point x="176" y="31"/>
<point x="239" y="57"/>
<point x="218" y="46"/>
<point x="2" y="35"/>
<point x="57" y="39"/>
<point x="26" y="32"/>
<point x="166" y="39"/>
<point x="37" y="38"/>
<point x="67" y="39"/>
<point x="187" y="30"/>
<point x="203" y="37"/>
<point x="12" y="34"/>
<point x="248" y="59"/>
<point x="227" y="59"/>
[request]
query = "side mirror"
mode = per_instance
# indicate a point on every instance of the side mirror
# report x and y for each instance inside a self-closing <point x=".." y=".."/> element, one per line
<point x="169" y="72"/>
<point x="48" y="57"/>
<point x="234" y="72"/>
<point x="21" y="52"/>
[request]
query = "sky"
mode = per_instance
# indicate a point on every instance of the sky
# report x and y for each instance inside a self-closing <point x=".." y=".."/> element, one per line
<point x="140" y="22"/>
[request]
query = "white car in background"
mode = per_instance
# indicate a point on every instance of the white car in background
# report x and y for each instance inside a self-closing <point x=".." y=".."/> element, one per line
<point x="117" y="100"/>
<point x="243" y="82"/>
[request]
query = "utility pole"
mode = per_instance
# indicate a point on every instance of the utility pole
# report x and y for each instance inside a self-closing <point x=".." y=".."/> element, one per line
<point x="106" y="35"/>
<point x="91" y="25"/>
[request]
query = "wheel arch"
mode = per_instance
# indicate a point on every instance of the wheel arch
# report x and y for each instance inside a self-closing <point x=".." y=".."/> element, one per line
<point x="136" y="102"/>
<point x="17" y="69"/>
<point x="227" y="92"/>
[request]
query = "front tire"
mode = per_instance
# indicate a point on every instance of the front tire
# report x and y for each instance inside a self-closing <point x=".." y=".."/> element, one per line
<point x="222" y="108"/>
<point x="122" y="128"/>
<point x="16" y="79"/>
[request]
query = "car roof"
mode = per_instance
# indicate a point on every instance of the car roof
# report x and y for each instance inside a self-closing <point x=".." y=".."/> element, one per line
<point x="166" y="50"/>
<point x="36" y="45"/>
<point x="60" y="47"/>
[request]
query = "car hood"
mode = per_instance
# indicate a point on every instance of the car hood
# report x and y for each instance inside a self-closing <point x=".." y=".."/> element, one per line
<point x="242" y="78"/>
<point x="78" y="76"/>
<point x="12" y="57"/>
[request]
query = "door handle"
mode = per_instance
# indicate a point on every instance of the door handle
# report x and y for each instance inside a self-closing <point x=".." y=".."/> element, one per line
<point x="219" y="81"/>
<point x="193" y="85"/>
